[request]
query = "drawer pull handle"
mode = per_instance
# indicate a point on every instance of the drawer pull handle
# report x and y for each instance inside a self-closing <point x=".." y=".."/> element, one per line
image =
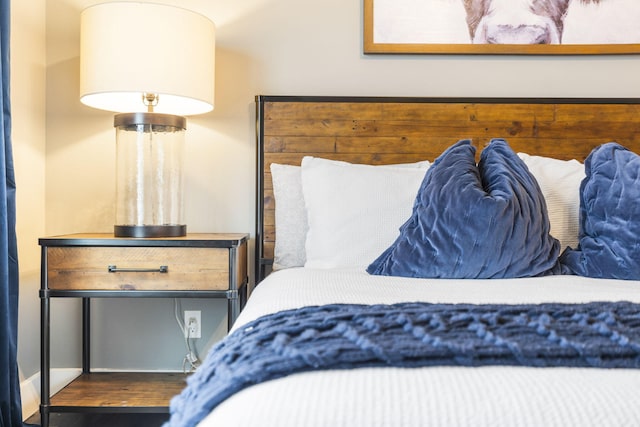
<point x="161" y="269"/>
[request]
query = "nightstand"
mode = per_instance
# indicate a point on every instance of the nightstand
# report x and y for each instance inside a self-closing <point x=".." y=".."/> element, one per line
<point x="99" y="265"/>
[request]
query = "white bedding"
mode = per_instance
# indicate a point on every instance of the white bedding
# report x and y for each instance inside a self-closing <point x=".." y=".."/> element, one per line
<point x="434" y="396"/>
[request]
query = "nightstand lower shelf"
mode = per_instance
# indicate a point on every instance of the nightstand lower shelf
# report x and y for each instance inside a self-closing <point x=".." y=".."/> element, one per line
<point x="119" y="392"/>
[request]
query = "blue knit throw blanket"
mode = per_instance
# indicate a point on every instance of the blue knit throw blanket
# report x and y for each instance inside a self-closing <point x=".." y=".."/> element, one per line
<point x="600" y="334"/>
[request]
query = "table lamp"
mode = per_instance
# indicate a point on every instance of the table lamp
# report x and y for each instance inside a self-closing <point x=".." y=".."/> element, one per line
<point x="152" y="64"/>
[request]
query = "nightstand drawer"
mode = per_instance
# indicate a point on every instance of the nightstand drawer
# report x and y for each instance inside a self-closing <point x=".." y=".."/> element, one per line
<point x="137" y="268"/>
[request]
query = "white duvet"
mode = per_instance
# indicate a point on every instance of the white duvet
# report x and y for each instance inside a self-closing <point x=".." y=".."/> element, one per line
<point x="434" y="396"/>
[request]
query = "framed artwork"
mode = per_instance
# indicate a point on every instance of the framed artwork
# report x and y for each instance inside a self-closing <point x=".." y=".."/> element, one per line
<point x="544" y="27"/>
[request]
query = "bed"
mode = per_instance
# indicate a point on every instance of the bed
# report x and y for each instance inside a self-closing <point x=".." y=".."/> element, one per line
<point x="351" y="195"/>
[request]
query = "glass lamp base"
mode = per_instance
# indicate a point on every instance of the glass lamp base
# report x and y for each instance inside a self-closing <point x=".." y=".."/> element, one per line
<point x="170" y="230"/>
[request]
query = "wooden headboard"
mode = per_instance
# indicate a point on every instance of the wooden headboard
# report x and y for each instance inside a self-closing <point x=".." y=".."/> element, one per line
<point x="375" y="130"/>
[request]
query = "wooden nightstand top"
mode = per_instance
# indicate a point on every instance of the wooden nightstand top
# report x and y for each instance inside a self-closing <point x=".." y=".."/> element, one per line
<point x="207" y="240"/>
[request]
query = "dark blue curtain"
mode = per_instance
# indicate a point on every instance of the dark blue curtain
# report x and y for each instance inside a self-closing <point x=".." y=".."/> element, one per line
<point x="10" y="406"/>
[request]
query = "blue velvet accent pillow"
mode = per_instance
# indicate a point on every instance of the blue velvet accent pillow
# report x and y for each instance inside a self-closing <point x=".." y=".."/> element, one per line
<point x="609" y="239"/>
<point x="474" y="221"/>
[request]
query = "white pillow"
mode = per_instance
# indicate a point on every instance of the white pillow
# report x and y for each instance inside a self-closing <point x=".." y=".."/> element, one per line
<point x="559" y="181"/>
<point x="354" y="211"/>
<point x="290" y="217"/>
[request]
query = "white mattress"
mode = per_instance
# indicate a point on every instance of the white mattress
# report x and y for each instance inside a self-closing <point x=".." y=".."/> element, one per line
<point x="434" y="396"/>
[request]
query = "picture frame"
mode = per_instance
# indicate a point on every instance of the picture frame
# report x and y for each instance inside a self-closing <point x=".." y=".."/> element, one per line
<point x="395" y="27"/>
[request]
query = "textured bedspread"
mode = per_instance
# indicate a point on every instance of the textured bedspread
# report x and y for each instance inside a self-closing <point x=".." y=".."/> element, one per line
<point x="342" y="336"/>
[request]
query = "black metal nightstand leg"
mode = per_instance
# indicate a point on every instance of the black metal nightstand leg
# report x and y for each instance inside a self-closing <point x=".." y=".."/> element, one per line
<point x="86" y="335"/>
<point x="45" y="353"/>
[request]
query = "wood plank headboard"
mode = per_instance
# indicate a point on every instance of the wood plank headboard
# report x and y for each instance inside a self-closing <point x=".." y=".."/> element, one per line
<point x="375" y="130"/>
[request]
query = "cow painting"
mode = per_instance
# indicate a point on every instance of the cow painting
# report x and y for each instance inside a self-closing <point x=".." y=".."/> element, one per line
<point x="502" y="26"/>
<point x="517" y="21"/>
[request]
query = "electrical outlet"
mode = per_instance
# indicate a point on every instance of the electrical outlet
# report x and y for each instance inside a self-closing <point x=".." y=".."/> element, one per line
<point x="192" y="324"/>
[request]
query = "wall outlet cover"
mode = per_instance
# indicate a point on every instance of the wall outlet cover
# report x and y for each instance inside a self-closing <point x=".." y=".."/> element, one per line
<point x="192" y="324"/>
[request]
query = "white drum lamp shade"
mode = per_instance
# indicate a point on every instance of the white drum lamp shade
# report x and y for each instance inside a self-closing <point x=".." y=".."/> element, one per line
<point x="130" y="48"/>
<point x="153" y="64"/>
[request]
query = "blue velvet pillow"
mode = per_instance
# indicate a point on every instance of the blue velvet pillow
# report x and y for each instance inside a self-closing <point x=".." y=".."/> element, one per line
<point x="609" y="239"/>
<point x="474" y="221"/>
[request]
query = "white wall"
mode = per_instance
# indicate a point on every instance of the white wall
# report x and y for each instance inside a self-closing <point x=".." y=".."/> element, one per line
<point x="271" y="47"/>
<point x="28" y="73"/>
